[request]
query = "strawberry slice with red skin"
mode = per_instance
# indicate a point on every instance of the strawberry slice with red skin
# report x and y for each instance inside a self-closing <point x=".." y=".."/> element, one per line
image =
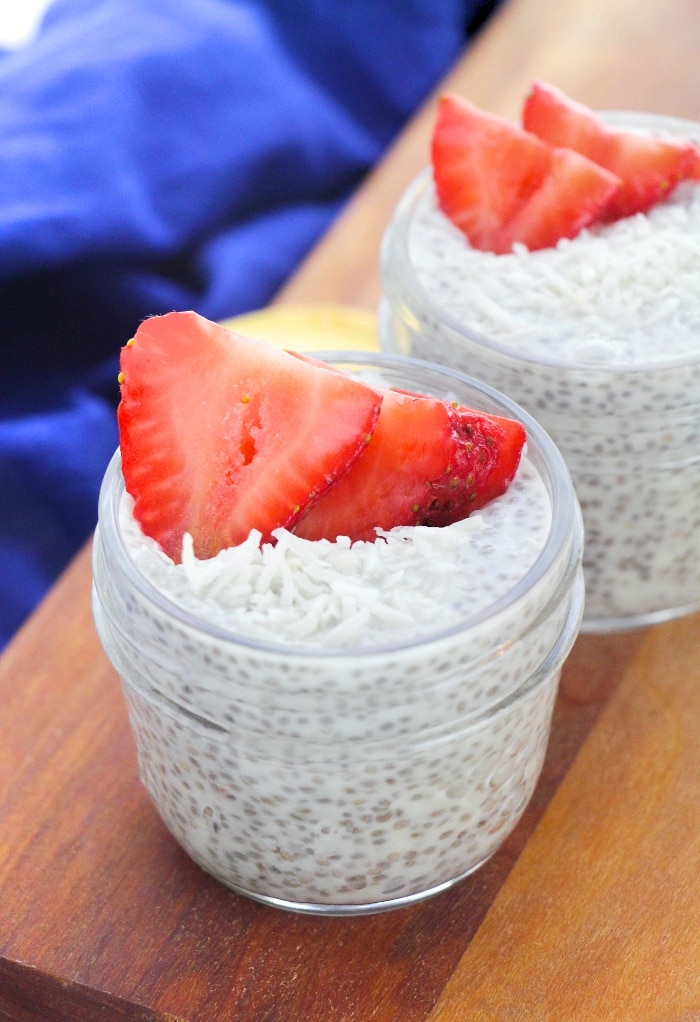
<point x="650" y="168"/>
<point x="221" y="434"/>
<point x="694" y="171"/>
<point x="428" y="463"/>
<point x="500" y="184"/>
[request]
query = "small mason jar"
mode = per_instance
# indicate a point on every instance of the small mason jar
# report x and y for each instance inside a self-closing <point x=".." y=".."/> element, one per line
<point x="354" y="778"/>
<point x="601" y="350"/>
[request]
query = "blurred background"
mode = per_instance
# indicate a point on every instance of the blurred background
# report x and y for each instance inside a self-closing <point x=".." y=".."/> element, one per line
<point x="159" y="155"/>
<point x="18" y="23"/>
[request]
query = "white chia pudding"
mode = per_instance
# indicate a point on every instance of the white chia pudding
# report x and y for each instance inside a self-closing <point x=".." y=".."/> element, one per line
<point x="599" y="339"/>
<point x="345" y="728"/>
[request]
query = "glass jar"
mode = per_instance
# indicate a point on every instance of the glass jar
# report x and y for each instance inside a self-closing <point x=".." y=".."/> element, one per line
<point x="350" y="780"/>
<point x="629" y="428"/>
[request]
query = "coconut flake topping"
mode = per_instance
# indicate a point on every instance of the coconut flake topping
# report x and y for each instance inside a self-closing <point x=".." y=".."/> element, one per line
<point x="339" y="595"/>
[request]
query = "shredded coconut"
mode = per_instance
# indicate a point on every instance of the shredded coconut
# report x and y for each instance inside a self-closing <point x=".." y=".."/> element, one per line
<point x="340" y="594"/>
<point x="633" y="285"/>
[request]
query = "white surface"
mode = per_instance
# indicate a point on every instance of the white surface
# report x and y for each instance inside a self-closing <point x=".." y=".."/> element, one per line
<point x="19" y="21"/>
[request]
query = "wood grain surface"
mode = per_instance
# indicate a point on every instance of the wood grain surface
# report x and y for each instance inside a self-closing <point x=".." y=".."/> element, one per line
<point x="579" y="935"/>
<point x="589" y="911"/>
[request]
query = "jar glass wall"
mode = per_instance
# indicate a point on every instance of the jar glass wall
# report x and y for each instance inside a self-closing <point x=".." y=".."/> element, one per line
<point x="628" y="427"/>
<point x="348" y="780"/>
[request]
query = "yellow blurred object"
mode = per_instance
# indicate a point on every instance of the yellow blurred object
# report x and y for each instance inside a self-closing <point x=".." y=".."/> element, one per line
<point x="311" y="327"/>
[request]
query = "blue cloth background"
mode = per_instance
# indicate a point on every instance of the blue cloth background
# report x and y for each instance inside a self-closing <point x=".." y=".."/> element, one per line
<point x="168" y="154"/>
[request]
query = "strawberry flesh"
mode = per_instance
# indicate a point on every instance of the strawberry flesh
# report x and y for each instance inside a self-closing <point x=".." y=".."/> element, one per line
<point x="428" y="463"/>
<point x="500" y="184"/>
<point x="649" y="168"/>
<point x="221" y="434"/>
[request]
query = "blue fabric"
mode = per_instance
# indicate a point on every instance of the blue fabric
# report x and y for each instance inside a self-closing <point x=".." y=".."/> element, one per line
<point x="168" y="154"/>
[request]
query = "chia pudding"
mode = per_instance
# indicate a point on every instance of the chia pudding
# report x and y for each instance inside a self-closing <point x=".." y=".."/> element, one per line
<point x="599" y="339"/>
<point x="343" y="728"/>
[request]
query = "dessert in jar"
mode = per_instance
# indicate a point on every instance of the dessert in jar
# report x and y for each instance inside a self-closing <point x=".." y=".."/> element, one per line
<point x="594" y="329"/>
<point x="347" y="725"/>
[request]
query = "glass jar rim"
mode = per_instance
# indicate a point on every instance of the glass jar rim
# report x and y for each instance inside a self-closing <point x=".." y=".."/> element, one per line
<point x="565" y="525"/>
<point x="380" y="747"/>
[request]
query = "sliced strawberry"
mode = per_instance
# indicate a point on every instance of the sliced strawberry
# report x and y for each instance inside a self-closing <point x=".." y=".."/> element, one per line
<point x="428" y="463"/>
<point x="694" y="169"/>
<point x="650" y="168"/>
<point x="220" y="434"/>
<point x="499" y="184"/>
